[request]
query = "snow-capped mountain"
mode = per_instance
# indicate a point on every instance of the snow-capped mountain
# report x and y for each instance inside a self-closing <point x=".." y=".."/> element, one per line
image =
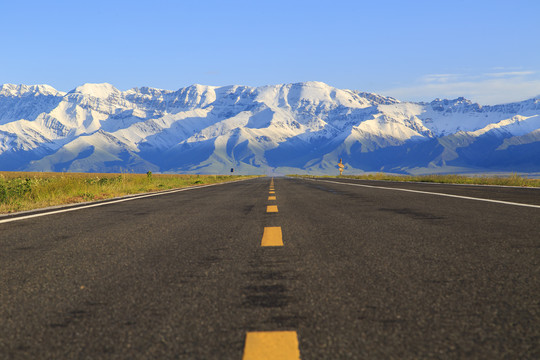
<point x="292" y="128"/>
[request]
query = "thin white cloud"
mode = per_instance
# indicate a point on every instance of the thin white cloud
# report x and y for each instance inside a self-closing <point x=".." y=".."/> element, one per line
<point x="439" y="78"/>
<point x="511" y="73"/>
<point x="506" y="68"/>
<point x="485" y="89"/>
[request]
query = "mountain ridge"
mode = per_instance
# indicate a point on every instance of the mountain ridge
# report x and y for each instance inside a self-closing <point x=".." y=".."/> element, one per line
<point x="300" y="127"/>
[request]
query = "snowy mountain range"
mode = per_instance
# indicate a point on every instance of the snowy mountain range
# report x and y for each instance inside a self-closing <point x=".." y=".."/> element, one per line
<point x="292" y="128"/>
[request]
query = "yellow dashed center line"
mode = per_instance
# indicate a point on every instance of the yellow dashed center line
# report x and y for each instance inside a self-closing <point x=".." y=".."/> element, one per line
<point x="266" y="345"/>
<point x="275" y="345"/>
<point x="272" y="236"/>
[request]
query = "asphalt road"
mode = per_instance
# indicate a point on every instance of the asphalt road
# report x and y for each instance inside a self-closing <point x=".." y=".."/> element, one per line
<point x="364" y="273"/>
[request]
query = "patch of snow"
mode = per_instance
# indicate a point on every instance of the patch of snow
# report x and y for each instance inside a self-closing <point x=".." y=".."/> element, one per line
<point x="102" y="91"/>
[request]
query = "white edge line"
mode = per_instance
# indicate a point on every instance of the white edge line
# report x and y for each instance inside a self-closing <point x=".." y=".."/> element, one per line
<point x="453" y="184"/>
<point x="433" y="193"/>
<point x="136" y="197"/>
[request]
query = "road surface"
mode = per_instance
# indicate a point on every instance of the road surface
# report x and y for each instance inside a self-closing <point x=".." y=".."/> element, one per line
<point x="364" y="270"/>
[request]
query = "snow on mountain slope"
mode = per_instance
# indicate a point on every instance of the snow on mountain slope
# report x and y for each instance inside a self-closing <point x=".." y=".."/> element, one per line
<point x="516" y="126"/>
<point x="26" y="102"/>
<point x="304" y="126"/>
<point x="100" y="91"/>
<point x="529" y="138"/>
<point x="11" y="90"/>
<point x="92" y="153"/>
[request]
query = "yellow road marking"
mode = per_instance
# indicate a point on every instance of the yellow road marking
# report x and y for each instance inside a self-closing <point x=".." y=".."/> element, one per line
<point x="271" y="208"/>
<point x="266" y="345"/>
<point x="272" y="236"/>
<point x="271" y="198"/>
<point x="271" y="192"/>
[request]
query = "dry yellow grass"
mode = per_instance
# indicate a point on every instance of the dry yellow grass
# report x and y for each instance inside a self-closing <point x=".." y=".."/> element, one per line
<point x="21" y="191"/>
<point x="513" y="180"/>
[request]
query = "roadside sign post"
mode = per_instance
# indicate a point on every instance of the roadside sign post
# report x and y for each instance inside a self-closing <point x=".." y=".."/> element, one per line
<point x="341" y="167"/>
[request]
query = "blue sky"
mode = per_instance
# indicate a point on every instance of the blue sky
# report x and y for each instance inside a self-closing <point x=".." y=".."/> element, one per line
<point x="487" y="51"/>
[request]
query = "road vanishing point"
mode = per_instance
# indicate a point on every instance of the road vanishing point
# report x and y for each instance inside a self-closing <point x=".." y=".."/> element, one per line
<point x="277" y="268"/>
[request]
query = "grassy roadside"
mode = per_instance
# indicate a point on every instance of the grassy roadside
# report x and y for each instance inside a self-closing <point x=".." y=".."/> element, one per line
<point x="513" y="180"/>
<point x="21" y="191"/>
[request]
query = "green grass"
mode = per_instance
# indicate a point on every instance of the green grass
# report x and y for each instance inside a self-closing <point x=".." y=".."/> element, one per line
<point x="513" y="180"/>
<point x="21" y="191"/>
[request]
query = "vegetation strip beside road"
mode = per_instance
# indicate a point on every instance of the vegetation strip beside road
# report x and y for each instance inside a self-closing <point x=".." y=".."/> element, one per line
<point x="21" y="191"/>
<point x="513" y="180"/>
